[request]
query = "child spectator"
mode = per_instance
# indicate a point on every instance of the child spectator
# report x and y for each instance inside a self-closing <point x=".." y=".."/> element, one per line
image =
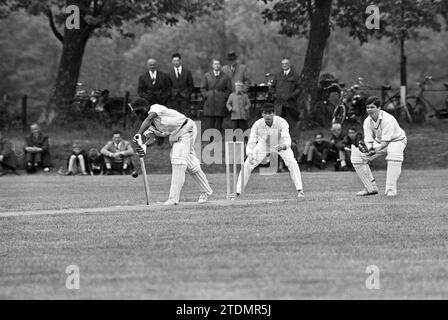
<point x="77" y="159"/>
<point x="95" y="162"/>
<point x="238" y="105"/>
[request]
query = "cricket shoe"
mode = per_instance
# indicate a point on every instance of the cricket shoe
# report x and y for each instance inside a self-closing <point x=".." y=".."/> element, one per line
<point x="170" y="202"/>
<point x="390" y="193"/>
<point x="365" y="192"/>
<point x="204" y="197"/>
<point x="300" y="194"/>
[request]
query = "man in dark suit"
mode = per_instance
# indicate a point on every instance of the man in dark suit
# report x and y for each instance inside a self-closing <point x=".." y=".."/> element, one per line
<point x="154" y="86"/>
<point x="216" y="88"/>
<point x="181" y="82"/>
<point x="286" y="90"/>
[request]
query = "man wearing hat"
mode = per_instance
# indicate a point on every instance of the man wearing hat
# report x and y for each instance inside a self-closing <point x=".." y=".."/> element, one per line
<point x="270" y="134"/>
<point x="235" y="70"/>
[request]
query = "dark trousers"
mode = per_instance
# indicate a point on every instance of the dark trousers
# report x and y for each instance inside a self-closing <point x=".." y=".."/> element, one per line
<point x="240" y="124"/>
<point x="4" y="166"/>
<point x="213" y="122"/>
<point x="34" y="157"/>
<point x="182" y="105"/>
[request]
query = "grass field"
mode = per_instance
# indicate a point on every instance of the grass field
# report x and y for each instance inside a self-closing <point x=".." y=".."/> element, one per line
<point x="287" y="248"/>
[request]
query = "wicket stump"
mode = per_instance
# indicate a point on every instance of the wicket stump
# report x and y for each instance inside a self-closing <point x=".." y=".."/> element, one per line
<point x="231" y="146"/>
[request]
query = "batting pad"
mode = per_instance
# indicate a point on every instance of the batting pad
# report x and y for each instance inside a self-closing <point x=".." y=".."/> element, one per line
<point x="364" y="173"/>
<point x="179" y="153"/>
<point x="201" y="180"/>
<point x="177" y="181"/>
<point x="392" y="175"/>
<point x="395" y="151"/>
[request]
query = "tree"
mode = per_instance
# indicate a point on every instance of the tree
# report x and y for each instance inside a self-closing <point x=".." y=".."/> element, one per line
<point x="314" y="19"/>
<point x="98" y="18"/>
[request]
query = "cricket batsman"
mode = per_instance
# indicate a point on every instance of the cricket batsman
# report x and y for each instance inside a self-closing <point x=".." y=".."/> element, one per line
<point x="265" y="132"/>
<point x="164" y="122"/>
<point x="382" y="136"/>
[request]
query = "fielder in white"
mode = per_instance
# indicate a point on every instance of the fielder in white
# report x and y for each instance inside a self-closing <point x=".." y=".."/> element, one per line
<point x="182" y="131"/>
<point x="382" y="136"/>
<point x="264" y="133"/>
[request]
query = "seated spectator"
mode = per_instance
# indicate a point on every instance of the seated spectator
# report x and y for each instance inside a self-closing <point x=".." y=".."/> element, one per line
<point x="77" y="161"/>
<point x="316" y="152"/>
<point x="337" y="151"/>
<point x="8" y="159"/>
<point x="95" y="162"/>
<point x="37" y="150"/>
<point x="352" y="137"/>
<point x="238" y="105"/>
<point x="118" y="155"/>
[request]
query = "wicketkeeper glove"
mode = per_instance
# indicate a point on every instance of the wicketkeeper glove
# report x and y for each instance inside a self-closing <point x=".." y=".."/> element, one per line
<point x="362" y="147"/>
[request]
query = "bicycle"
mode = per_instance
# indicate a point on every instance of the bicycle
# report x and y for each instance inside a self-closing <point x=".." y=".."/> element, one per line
<point x="391" y="103"/>
<point x="422" y="105"/>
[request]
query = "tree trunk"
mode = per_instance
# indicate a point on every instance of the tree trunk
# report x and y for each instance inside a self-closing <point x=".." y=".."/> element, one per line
<point x="319" y="34"/>
<point x="74" y="44"/>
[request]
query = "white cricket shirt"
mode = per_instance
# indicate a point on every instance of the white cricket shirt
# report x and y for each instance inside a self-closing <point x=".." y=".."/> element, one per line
<point x="385" y="129"/>
<point x="262" y="133"/>
<point x="167" y="121"/>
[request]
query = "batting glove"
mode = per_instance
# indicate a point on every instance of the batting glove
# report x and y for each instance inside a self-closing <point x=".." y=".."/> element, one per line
<point x="141" y="151"/>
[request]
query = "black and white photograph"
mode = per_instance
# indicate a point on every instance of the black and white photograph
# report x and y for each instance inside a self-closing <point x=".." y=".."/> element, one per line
<point x="243" y="151"/>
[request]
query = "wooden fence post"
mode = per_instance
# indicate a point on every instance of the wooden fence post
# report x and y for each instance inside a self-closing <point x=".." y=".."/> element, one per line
<point x="125" y="106"/>
<point x="24" y="113"/>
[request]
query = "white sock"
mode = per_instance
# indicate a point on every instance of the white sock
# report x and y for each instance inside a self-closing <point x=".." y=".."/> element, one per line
<point x="202" y="181"/>
<point x="392" y="175"/>
<point x="71" y="163"/>
<point x="343" y="163"/>
<point x="177" y="181"/>
<point x="364" y="173"/>
<point x="82" y="163"/>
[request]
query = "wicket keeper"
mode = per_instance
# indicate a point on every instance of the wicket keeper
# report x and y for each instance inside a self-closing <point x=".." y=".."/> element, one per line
<point x="164" y="122"/>
<point x="382" y="136"/>
<point x="270" y="127"/>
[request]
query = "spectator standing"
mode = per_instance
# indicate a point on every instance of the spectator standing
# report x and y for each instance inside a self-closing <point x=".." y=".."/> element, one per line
<point x="238" y="105"/>
<point x="236" y="71"/>
<point x="216" y="88"/>
<point x="285" y="90"/>
<point x="181" y="82"/>
<point x="154" y="85"/>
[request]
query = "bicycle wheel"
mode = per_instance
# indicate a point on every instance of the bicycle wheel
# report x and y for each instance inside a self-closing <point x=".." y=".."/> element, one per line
<point x="417" y="109"/>
<point x="339" y="114"/>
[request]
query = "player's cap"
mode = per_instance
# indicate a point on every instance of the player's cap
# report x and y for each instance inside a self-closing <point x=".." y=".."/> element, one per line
<point x="267" y="107"/>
